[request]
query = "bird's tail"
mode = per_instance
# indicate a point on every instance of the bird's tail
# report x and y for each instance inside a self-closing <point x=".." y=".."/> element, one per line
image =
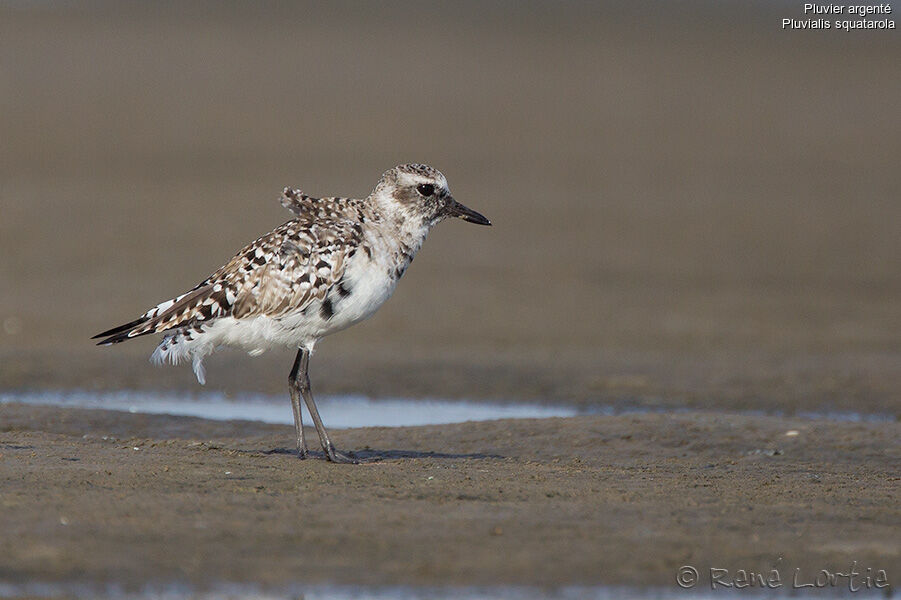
<point x="171" y="314"/>
<point x="122" y="332"/>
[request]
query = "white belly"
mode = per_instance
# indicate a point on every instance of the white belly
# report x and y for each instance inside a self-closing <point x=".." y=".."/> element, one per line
<point x="367" y="284"/>
<point x="369" y="289"/>
<point x="370" y="286"/>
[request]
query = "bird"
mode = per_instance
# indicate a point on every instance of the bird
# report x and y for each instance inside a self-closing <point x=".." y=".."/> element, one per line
<point x="329" y="267"/>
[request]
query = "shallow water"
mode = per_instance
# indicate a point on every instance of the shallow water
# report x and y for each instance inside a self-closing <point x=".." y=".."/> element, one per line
<point x="342" y="412"/>
<point x="349" y="592"/>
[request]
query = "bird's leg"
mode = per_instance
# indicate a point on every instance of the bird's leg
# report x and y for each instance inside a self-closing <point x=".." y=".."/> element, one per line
<point x="304" y="383"/>
<point x="294" y="390"/>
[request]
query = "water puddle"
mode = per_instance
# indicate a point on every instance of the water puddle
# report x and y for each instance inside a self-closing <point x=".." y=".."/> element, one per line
<point x="339" y="412"/>
<point x="348" y="592"/>
<point x="342" y="412"/>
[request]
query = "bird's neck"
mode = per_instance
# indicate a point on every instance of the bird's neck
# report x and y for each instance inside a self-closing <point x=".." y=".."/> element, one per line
<point x="400" y="226"/>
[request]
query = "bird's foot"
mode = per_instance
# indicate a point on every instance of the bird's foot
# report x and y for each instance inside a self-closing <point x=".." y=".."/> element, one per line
<point x="339" y="457"/>
<point x="302" y="451"/>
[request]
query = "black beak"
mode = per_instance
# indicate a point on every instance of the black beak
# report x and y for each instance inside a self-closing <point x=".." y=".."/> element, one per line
<point x="455" y="209"/>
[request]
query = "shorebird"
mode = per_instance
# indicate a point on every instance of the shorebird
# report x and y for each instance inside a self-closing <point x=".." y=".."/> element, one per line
<point x="331" y="266"/>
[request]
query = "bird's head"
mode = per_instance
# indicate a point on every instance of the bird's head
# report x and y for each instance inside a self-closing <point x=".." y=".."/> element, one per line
<point x="422" y="191"/>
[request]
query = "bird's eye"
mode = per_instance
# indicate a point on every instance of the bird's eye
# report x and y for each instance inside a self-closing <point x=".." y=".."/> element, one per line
<point x="425" y="189"/>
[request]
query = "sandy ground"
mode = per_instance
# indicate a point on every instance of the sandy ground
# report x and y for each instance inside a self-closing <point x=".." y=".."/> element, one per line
<point x="92" y="496"/>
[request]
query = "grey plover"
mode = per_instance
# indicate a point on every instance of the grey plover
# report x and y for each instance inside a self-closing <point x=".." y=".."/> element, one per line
<point x="331" y="266"/>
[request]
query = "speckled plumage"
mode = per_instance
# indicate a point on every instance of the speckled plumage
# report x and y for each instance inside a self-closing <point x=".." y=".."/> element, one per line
<point x="334" y="264"/>
<point x="331" y="266"/>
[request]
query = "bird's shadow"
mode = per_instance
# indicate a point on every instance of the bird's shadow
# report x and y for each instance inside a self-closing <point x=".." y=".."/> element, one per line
<point x="375" y="455"/>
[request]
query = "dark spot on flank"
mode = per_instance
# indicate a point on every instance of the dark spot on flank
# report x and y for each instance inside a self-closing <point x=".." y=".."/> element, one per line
<point x="343" y="291"/>
<point x="368" y="251"/>
<point x="326" y="310"/>
<point x="206" y="311"/>
<point x="221" y="301"/>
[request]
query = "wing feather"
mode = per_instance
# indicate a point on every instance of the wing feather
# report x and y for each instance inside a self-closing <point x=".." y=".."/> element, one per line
<point x="282" y="272"/>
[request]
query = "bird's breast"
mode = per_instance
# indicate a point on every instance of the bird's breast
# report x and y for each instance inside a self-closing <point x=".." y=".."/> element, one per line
<point x="370" y="277"/>
<point x="366" y="285"/>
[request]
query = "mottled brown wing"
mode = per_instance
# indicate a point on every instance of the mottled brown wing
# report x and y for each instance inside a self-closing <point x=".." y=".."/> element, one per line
<point x="278" y="273"/>
<point x="298" y="268"/>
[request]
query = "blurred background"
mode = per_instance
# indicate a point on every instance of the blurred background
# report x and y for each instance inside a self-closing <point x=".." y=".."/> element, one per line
<point x="692" y="206"/>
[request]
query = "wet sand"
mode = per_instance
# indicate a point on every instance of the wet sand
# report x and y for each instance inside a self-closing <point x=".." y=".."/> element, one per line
<point x="96" y="496"/>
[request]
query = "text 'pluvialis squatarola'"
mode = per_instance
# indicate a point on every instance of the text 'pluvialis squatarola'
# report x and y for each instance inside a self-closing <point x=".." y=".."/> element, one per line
<point x="334" y="264"/>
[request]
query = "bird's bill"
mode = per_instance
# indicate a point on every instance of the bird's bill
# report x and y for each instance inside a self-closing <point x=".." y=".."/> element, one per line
<point x="455" y="209"/>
